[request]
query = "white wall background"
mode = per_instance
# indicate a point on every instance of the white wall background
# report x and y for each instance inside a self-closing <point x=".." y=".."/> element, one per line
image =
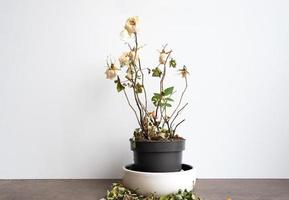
<point x="60" y="118"/>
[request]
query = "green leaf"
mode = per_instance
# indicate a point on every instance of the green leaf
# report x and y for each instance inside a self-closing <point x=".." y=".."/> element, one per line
<point x="169" y="99"/>
<point x="156" y="98"/>
<point x="155" y="101"/>
<point x="156" y="72"/>
<point x="168" y="91"/>
<point x="164" y="198"/>
<point x="138" y="88"/>
<point x="165" y="105"/>
<point x="129" y="73"/>
<point x="119" y="86"/>
<point x="173" y="63"/>
<point x="157" y="95"/>
<point x="118" y="192"/>
<point x="178" y="197"/>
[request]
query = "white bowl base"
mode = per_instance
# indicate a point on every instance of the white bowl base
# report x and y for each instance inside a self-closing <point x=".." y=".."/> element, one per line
<point x="159" y="183"/>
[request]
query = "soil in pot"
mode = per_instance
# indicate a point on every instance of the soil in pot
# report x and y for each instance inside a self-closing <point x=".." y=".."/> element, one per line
<point x="158" y="156"/>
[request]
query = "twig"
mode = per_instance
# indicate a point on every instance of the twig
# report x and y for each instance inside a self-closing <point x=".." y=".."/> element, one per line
<point x="180" y="101"/>
<point x="145" y="93"/>
<point x="178" y="114"/>
<point x="164" y="74"/>
<point x="128" y="101"/>
<point x="137" y="99"/>
<point x="128" y="45"/>
<point x="162" y="79"/>
<point x="136" y="71"/>
<point x="178" y="125"/>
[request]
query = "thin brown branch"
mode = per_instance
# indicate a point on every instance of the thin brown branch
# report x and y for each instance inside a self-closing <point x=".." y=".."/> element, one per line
<point x="162" y="80"/>
<point x="145" y="93"/>
<point x="128" y="101"/>
<point x="162" y="117"/>
<point x="136" y="72"/>
<point x="135" y="78"/>
<point x="137" y="102"/>
<point x="163" y="76"/>
<point x="129" y="46"/>
<point x="178" y="125"/>
<point x="180" y="101"/>
<point x="179" y="111"/>
<point x="140" y="105"/>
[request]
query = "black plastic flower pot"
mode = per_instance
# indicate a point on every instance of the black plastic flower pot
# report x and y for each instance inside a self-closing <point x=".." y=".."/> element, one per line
<point x="158" y="156"/>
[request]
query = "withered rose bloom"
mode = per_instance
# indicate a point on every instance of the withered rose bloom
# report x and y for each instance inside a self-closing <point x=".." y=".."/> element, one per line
<point x="127" y="58"/>
<point x="124" y="59"/>
<point x="131" y="25"/>
<point x="163" y="57"/>
<point x="111" y="72"/>
<point x="184" y="72"/>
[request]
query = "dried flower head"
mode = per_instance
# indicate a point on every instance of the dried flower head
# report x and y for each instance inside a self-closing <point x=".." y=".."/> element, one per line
<point x="124" y="59"/>
<point x="184" y="72"/>
<point x="162" y="58"/>
<point x="131" y="25"/>
<point x="127" y="58"/>
<point x="111" y="71"/>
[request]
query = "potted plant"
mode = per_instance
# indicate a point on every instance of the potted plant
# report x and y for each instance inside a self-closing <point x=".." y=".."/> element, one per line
<point x="155" y="143"/>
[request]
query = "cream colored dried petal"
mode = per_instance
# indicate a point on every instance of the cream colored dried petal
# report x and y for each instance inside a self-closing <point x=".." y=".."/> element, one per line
<point x="162" y="57"/>
<point x="131" y="25"/>
<point x="111" y="72"/>
<point x="184" y="72"/>
<point x="124" y="59"/>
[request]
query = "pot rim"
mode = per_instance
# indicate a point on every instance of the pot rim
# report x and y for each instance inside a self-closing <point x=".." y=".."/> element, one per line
<point x="158" y="141"/>
<point x="158" y="173"/>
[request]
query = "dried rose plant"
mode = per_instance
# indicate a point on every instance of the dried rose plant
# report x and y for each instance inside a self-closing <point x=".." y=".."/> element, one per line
<point x="160" y="122"/>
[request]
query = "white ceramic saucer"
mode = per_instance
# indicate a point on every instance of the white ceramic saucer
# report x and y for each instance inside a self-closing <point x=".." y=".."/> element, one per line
<point x="159" y="183"/>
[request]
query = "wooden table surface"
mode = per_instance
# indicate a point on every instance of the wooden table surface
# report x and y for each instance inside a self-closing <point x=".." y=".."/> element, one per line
<point x="209" y="189"/>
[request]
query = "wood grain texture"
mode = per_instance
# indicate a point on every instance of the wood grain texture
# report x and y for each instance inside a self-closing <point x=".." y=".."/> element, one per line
<point x="209" y="189"/>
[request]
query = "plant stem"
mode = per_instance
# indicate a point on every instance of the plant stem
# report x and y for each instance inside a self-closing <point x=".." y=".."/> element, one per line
<point x="162" y="83"/>
<point x="142" y="108"/>
<point x="180" y="101"/>
<point x="179" y="111"/>
<point x="178" y="125"/>
<point x="128" y="101"/>
<point x="145" y="93"/>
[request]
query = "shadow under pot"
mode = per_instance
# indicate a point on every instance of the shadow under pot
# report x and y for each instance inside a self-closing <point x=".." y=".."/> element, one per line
<point x="158" y="156"/>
